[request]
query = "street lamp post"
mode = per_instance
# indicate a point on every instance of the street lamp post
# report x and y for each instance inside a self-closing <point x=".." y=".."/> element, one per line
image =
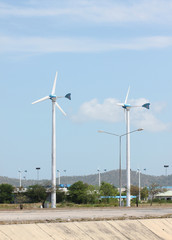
<point x="20" y="178"/>
<point x="166" y="166"/>
<point x="38" y="168"/>
<point x="138" y="170"/>
<point x="58" y="176"/>
<point x="120" y="177"/>
<point x="98" y="170"/>
<point x="65" y="175"/>
<point x="25" y="177"/>
<point x="25" y="173"/>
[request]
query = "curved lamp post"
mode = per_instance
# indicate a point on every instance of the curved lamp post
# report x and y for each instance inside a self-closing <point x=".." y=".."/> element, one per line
<point x="120" y="136"/>
<point x="38" y="168"/>
<point x="58" y="176"/>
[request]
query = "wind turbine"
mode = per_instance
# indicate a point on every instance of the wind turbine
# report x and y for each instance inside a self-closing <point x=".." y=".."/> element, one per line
<point x="127" y="108"/>
<point x="54" y="98"/>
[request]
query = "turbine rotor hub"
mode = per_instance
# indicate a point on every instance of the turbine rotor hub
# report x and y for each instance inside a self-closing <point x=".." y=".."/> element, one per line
<point x="53" y="97"/>
<point x="126" y="106"/>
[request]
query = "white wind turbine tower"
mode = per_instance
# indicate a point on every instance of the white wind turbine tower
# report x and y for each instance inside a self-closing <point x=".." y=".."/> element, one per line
<point x="53" y="98"/>
<point x="127" y="108"/>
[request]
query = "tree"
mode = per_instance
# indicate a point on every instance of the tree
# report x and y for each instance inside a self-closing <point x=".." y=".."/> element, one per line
<point x="78" y="192"/>
<point x="153" y="190"/>
<point x="144" y="193"/>
<point x="6" y="193"/>
<point x="60" y="196"/>
<point x="37" y="193"/>
<point x="107" y="189"/>
<point x="21" y="198"/>
<point x="92" y="194"/>
<point x="134" y="190"/>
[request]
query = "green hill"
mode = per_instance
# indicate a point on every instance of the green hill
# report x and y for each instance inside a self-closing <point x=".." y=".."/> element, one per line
<point x="110" y="177"/>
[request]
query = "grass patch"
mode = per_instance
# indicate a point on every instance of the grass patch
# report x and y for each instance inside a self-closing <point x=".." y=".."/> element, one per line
<point x="6" y="206"/>
<point x="73" y="205"/>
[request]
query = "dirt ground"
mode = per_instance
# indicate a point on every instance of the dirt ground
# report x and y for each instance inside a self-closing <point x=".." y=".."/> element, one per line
<point x="80" y="214"/>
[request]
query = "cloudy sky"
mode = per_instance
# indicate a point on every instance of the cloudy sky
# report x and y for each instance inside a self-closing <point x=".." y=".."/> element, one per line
<point x="99" y="49"/>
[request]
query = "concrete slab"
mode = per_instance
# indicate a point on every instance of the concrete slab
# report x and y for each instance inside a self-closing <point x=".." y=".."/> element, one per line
<point x="100" y="230"/>
<point x="142" y="229"/>
<point x="3" y="236"/>
<point x="132" y="229"/>
<point x="161" y="227"/>
<point x="169" y="220"/>
<point x="64" y="231"/>
<point x="24" y="232"/>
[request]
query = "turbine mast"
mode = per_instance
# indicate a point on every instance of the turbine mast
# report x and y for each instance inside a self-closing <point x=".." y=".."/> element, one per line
<point x="53" y="190"/>
<point x="128" y="155"/>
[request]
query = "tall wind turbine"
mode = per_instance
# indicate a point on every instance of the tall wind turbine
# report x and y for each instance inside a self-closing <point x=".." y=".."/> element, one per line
<point x="127" y="108"/>
<point x="54" y="98"/>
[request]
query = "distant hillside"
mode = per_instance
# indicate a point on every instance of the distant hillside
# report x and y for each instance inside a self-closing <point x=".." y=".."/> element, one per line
<point x="110" y="177"/>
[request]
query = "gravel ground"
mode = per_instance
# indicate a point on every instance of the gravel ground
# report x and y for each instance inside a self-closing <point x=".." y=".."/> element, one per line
<point x="77" y="214"/>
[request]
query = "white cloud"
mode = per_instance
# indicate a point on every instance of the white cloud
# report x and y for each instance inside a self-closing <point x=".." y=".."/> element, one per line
<point x="108" y="111"/>
<point x="61" y="44"/>
<point x="147" y="118"/>
<point x="148" y="121"/>
<point x="158" y="107"/>
<point x="99" y="11"/>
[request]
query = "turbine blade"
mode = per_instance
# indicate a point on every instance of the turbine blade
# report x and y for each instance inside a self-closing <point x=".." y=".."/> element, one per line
<point x="127" y="96"/>
<point x="41" y="99"/>
<point x="146" y="105"/>
<point x="68" y="96"/>
<point x="120" y="104"/>
<point x="135" y="106"/>
<point x="60" y="109"/>
<point x="54" y="85"/>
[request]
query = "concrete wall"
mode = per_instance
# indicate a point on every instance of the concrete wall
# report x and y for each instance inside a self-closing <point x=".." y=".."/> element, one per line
<point x="121" y="229"/>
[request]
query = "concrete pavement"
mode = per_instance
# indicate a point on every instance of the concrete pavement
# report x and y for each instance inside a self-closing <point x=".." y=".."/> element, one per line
<point x="82" y="214"/>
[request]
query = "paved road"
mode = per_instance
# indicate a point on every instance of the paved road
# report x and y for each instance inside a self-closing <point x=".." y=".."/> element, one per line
<point x="81" y="214"/>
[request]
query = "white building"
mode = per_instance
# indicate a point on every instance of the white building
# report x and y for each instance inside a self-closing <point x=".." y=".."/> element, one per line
<point x="164" y="196"/>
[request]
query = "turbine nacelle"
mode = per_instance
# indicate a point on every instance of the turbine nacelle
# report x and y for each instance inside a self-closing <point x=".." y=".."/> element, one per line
<point x="126" y="106"/>
<point x="53" y="97"/>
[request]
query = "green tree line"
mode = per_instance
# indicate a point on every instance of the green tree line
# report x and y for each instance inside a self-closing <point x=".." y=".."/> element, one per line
<point x="78" y="193"/>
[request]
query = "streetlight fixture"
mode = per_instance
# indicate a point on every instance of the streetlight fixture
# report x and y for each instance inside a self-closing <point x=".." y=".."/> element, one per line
<point x="166" y="166"/>
<point x="58" y="176"/>
<point x="38" y="168"/>
<point x="120" y="182"/>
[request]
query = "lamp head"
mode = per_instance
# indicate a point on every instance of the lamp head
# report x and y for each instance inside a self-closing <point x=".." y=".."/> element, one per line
<point x="140" y="129"/>
<point x="100" y="131"/>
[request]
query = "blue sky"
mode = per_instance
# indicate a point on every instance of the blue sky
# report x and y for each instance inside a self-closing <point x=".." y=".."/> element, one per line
<point x="99" y="49"/>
